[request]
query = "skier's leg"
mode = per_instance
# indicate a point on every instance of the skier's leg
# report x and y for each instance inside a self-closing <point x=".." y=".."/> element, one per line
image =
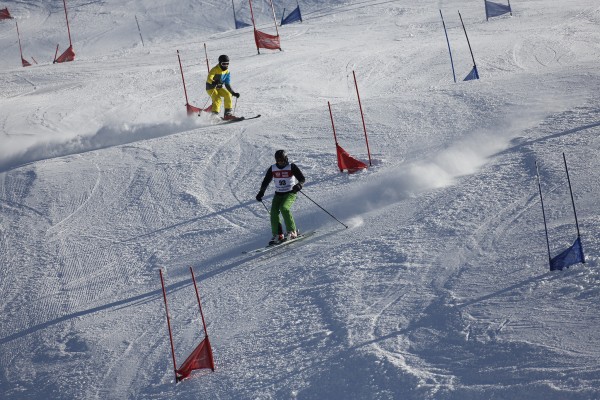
<point x="227" y="98"/>
<point x="275" y="222"/>
<point x="216" y="100"/>
<point x="286" y="211"/>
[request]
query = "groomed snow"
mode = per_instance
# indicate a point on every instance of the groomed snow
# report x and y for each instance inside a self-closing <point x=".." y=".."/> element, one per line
<point x="440" y="287"/>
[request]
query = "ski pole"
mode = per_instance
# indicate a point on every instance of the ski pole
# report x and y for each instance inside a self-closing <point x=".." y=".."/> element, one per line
<point x="234" y="107"/>
<point x="323" y="209"/>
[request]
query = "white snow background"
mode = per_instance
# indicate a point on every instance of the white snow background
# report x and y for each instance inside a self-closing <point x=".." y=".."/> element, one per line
<point x="440" y="287"/>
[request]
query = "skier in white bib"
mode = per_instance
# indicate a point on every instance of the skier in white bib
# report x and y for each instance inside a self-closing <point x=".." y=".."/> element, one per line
<point x="288" y="181"/>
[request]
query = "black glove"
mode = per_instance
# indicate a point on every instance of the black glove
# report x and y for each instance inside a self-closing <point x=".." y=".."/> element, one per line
<point x="296" y="188"/>
<point x="260" y="195"/>
<point x="235" y="94"/>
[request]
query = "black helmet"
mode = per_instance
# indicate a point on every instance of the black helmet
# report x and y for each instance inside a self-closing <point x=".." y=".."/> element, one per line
<point x="223" y="59"/>
<point x="281" y="155"/>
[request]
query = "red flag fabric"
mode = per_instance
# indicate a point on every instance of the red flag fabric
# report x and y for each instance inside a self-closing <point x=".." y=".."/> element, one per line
<point x="266" y="41"/>
<point x="4" y="14"/>
<point x="68" y="55"/>
<point x="347" y="162"/>
<point x="25" y="62"/>
<point x="191" y="110"/>
<point x="201" y="357"/>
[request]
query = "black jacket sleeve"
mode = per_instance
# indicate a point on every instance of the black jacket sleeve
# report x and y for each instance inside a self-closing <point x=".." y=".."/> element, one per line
<point x="229" y="88"/>
<point x="298" y="174"/>
<point x="267" y="179"/>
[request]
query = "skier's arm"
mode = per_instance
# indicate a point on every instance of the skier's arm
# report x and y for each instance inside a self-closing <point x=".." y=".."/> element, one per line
<point x="266" y="180"/>
<point x="299" y="176"/>
<point x="227" y="82"/>
<point x="213" y="80"/>
<point x="265" y="183"/>
<point x="233" y="92"/>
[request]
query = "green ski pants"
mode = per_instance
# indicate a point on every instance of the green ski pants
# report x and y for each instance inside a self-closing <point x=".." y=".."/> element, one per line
<point x="282" y="203"/>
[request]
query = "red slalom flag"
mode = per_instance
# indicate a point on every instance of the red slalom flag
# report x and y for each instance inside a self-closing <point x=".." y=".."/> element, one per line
<point x="4" y="14"/>
<point x="347" y="162"/>
<point x="200" y="358"/>
<point x="192" y="110"/>
<point x="266" y="41"/>
<point x="68" y="55"/>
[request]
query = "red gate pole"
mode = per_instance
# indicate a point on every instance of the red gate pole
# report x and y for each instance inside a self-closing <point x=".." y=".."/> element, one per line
<point x="334" y="136"/>
<point x="20" y="49"/>
<point x="162" y="282"/>
<point x="19" y="37"/>
<point x="55" y="53"/>
<point x="332" y="124"/>
<point x="68" y="28"/>
<point x="206" y="54"/>
<point x="199" y="304"/>
<point x="212" y="362"/>
<point x="183" y="79"/>
<point x="254" y="25"/>
<point x="363" y="117"/>
<point x="274" y="20"/>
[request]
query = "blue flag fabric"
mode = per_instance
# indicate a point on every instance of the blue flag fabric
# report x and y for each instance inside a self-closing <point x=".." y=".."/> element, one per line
<point x="495" y="9"/>
<point x="292" y="17"/>
<point x="240" y="24"/>
<point x="572" y="255"/>
<point x="472" y="75"/>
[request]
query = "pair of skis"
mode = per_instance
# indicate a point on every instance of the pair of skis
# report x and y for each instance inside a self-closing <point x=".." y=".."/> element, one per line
<point x="281" y="244"/>
<point x="238" y="119"/>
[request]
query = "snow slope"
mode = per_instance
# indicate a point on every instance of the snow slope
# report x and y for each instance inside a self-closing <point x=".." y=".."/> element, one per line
<point x="439" y="288"/>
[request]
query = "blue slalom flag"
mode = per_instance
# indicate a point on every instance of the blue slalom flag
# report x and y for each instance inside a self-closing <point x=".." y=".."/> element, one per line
<point x="572" y="255"/>
<point x="292" y="17"/>
<point x="472" y="75"/>
<point x="496" y="9"/>
<point x="240" y="24"/>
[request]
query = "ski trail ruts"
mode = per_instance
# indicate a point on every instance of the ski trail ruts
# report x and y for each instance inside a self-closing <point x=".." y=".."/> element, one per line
<point x="531" y="53"/>
<point x="57" y="227"/>
<point x="398" y="312"/>
<point x="21" y="218"/>
<point x="224" y="173"/>
<point x="23" y="335"/>
<point x="143" y="195"/>
<point x="542" y="50"/>
<point x="474" y="249"/>
<point x="14" y="190"/>
<point x="393" y="278"/>
<point x="131" y="351"/>
<point x="393" y="331"/>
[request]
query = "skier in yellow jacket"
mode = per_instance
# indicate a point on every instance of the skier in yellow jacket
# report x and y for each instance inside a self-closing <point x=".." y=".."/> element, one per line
<point x="217" y="78"/>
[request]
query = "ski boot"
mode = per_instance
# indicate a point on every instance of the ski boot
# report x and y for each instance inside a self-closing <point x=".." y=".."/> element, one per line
<point x="276" y="239"/>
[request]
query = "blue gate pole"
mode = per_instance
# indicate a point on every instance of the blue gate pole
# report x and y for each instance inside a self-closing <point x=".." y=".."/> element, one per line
<point x="449" y="51"/>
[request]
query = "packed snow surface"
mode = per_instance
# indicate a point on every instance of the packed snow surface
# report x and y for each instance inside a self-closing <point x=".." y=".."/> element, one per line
<point x="438" y="289"/>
